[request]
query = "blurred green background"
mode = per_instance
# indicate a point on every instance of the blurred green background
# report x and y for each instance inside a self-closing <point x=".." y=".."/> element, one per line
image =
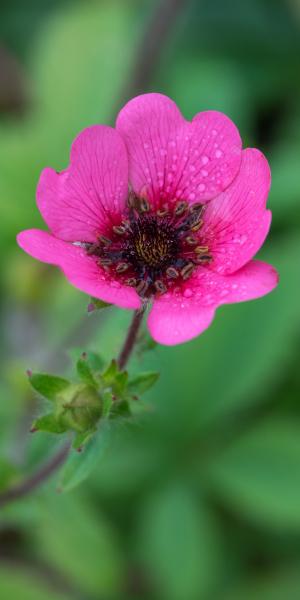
<point x="200" y="497"/>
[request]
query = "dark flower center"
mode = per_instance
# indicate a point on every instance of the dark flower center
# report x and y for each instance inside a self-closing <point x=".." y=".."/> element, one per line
<point x="153" y="250"/>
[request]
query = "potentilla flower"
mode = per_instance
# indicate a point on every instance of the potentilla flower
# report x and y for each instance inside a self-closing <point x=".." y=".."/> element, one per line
<point x="159" y="209"/>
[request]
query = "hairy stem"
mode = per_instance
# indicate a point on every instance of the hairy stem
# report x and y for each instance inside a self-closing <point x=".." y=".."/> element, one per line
<point x="131" y="337"/>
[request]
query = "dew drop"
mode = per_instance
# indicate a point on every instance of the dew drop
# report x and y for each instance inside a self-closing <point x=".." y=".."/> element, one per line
<point x="204" y="159"/>
<point x="218" y="153"/>
<point x="187" y="293"/>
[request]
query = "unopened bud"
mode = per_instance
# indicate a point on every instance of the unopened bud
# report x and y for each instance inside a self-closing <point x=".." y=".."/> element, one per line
<point x="79" y="407"/>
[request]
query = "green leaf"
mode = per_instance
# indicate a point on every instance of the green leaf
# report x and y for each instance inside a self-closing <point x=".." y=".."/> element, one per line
<point x="80" y="465"/>
<point x="85" y="372"/>
<point x="278" y="584"/>
<point x="48" y="423"/>
<point x="142" y="382"/>
<point x="75" y="537"/>
<point x="48" y="385"/>
<point x="26" y="585"/>
<point x="179" y="545"/>
<point x="259" y="476"/>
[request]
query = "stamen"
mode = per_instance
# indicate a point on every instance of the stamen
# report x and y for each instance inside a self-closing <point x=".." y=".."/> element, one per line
<point x="187" y="270"/>
<point x="131" y="282"/>
<point x="105" y="262"/>
<point x="163" y="211"/>
<point x="144" y="205"/>
<point x="191" y="240"/>
<point x="201" y="249"/>
<point x="119" y="229"/>
<point x="142" y="287"/>
<point x="92" y="248"/>
<point x="203" y="259"/>
<point x="197" y="225"/>
<point x="196" y="207"/>
<point x="172" y="273"/>
<point x="180" y="208"/>
<point x="106" y="241"/>
<point x="122" y="267"/>
<point x="160" y="286"/>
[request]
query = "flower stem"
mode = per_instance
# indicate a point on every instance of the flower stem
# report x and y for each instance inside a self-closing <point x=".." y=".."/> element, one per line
<point x="33" y="481"/>
<point x="131" y="337"/>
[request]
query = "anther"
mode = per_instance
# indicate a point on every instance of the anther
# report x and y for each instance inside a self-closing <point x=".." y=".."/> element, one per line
<point x="201" y="249"/>
<point x="196" y="207"/>
<point x="191" y="240"/>
<point x="197" y="225"/>
<point x="105" y="262"/>
<point x="172" y="273"/>
<point x="180" y="208"/>
<point x="119" y="229"/>
<point x="122" y="267"/>
<point x="142" y="287"/>
<point x="187" y="270"/>
<point x="160" y="287"/>
<point x="92" y="248"/>
<point x="203" y="259"/>
<point x="163" y="211"/>
<point x="104" y="240"/>
<point x="131" y="282"/>
<point x="144" y="205"/>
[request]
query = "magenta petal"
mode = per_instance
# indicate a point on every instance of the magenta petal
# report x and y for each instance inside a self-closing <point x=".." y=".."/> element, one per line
<point x="80" y="202"/>
<point x="81" y="270"/>
<point x="176" y="320"/>
<point x="254" y="280"/>
<point x="173" y="157"/>
<point x="237" y="222"/>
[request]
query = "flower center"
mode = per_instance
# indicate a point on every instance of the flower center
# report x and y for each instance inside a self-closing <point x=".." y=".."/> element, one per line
<point x="153" y="250"/>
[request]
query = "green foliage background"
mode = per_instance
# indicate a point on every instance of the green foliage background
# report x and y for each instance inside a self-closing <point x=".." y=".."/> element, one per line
<point x="199" y="498"/>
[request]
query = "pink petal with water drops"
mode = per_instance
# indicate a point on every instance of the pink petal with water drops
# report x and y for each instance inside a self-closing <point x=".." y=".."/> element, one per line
<point x="254" y="280"/>
<point x="80" y="202"/>
<point x="236" y="223"/>
<point x="173" y="158"/>
<point x="81" y="270"/>
<point x="177" y="318"/>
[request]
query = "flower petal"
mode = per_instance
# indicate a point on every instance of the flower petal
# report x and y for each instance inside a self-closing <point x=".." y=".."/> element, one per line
<point x="80" y="202"/>
<point x="174" y="321"/>
<point x="177" y="318"/>
<point x="81" y="270"/>
<point x="173" y="158"/>
<point x="212" y="289"/>
<point x="237" y="222"/>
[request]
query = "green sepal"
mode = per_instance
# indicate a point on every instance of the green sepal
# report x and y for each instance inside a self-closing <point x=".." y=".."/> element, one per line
<point x="120" y="409"/>
<point x="120" y="383"/>
<point x="107" y="402"/>
<point x="48" y="423"/>
<point x="97" y="304"/>
<point x="85" y="372"/>
<point x="142" y="382"/>
<point x="81" y="439"/>
<point x="108" y="377"/>
<point x="48" y="385"/>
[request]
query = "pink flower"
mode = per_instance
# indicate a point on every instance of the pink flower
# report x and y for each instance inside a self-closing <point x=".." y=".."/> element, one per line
<point x="183" y="237"/>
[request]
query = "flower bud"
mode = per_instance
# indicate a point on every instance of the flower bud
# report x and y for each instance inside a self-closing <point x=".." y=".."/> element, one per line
<point x="78" y="407"/>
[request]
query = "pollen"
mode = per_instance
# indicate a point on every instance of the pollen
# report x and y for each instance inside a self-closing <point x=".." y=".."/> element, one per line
<point x="153" y="250"/>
